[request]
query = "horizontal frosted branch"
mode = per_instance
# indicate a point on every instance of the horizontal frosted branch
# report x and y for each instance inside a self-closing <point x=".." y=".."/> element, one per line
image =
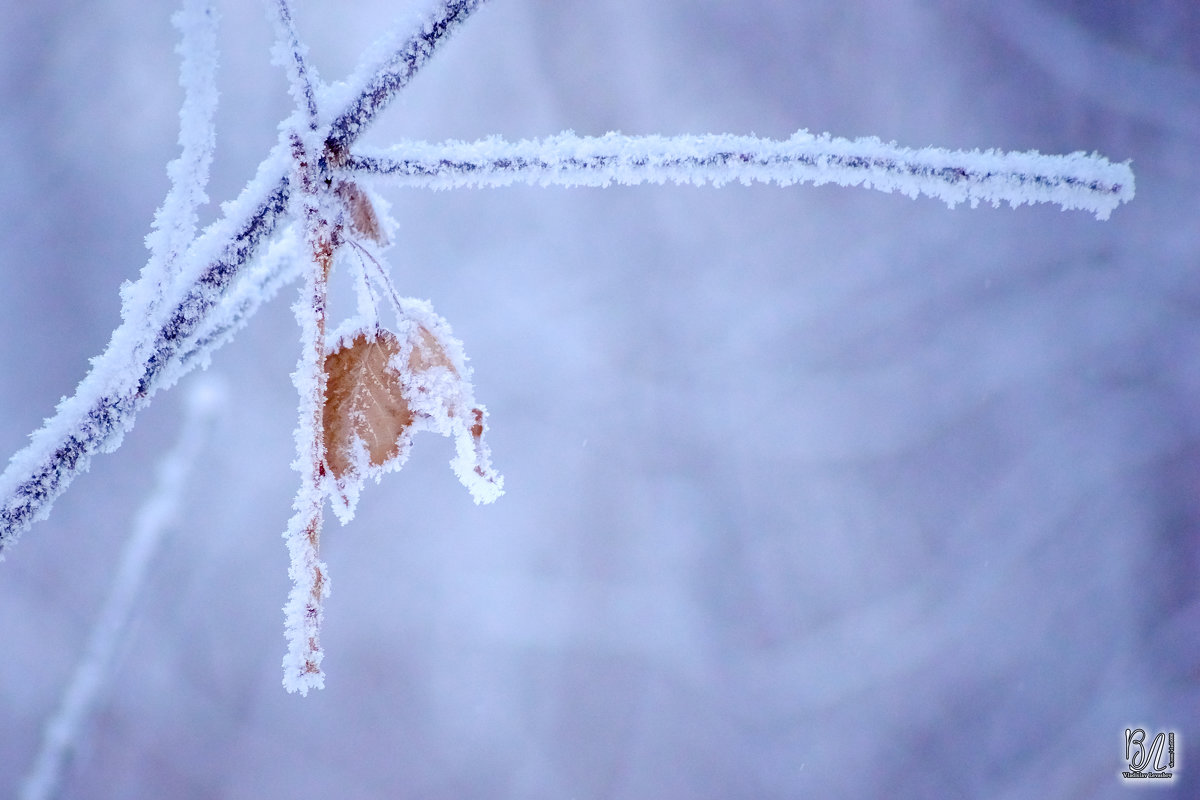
<point x="1088" y="182"/>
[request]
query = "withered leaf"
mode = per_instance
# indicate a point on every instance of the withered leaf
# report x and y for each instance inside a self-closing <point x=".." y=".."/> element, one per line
<point x="364" y="400"/>
<point x="364" y="396"/>
<point x="428" y="352"/>
<point x="363" y="219"/>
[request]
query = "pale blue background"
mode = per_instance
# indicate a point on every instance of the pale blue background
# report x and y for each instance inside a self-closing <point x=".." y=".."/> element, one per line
<point x="811" y="491"/>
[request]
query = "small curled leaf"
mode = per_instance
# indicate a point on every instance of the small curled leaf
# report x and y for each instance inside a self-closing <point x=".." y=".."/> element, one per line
<point x="363" y="219"/>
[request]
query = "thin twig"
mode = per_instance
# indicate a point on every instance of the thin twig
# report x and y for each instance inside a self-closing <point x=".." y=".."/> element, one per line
<point x="310" y="584"/>
<point x="293" y="56"/>
<point x="94" y="671"/>
<point x="174" y="225"/>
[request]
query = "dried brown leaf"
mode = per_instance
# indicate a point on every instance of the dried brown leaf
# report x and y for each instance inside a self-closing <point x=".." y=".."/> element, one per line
<point x="364" y="396"/>
<point x="364" y="400"/>
<point x="363" y="219"/>
<point x="428" y="352"/>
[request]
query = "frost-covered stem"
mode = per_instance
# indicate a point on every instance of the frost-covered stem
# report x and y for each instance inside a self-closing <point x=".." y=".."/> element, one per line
<point x="1088" y="182"/>
<point x="125" y="376"/>
<point x="310" y="585"/>
<point x="95" y="668"/>
<point x="293" y="56"/>
<point x="174" y="225"/>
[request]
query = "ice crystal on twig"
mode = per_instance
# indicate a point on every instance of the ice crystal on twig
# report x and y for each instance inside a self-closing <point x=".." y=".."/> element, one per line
<point x="291" y="53"/>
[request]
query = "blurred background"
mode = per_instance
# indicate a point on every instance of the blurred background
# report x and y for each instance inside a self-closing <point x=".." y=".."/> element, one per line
<point x="810" y="491"/>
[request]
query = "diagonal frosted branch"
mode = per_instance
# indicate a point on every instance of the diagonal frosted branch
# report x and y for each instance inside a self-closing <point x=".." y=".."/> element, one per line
<point x="133" y="366"/>
<point x="144" y="354"/>
<point x="375" y="86"/>
<point x="1076" y="181"/>
<point x="281" y="264"/>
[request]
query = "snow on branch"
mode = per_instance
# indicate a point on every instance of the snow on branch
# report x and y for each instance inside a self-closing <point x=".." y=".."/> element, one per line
<point x="144" y="354"/>
<point x="1088" y="182"/>
<point x="194" y="293"/>
<point x="181" y="308"/>
<point x="175" y="221"/>
<point x="259" y="284"/>
<point x="310" y="577"/>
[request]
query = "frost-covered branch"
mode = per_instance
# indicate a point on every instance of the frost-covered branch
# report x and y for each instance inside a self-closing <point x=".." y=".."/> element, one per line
<point x="174" y="225"/>
<point x="94" y="671"/>
<point x="364" y="395"/>
<point x="1088" y="182"/>
<point x="310" y="582"/>
<point x="144" y="352"/>
<point x="304" y="610"/>
<point x="259" y="284"/>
